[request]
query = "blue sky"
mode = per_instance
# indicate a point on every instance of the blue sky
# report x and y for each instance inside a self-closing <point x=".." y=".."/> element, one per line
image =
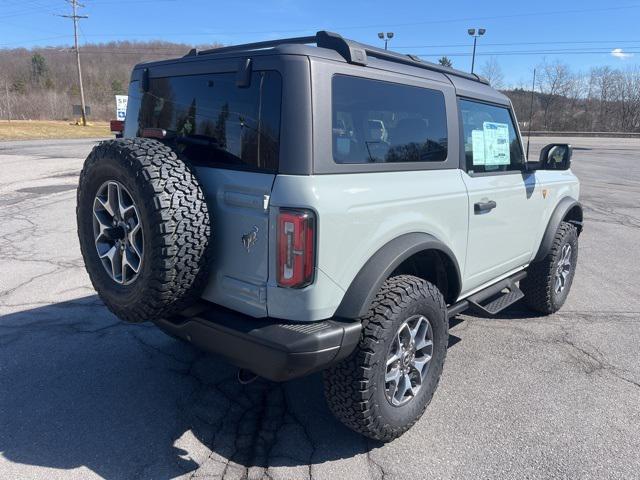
<point x="519" y="35"/>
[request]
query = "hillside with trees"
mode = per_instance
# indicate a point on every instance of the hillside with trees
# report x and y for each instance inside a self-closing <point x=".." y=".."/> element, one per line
<point x="601" y="100"/>
<point x="42" y="83"/>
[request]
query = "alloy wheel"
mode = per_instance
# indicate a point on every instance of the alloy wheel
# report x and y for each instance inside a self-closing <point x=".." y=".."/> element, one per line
<point x="118" y="232"/>
<point x="563" y="269"/>
<point x="408" y="360"/>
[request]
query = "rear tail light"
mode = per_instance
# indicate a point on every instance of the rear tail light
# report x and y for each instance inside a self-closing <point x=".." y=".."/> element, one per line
<point x="296" y="248"/>
<point x="117" y="126"/>
<point x="153" y="133"/>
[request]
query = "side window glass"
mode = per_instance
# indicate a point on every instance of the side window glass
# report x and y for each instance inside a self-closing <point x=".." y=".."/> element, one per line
<point x="490" y="140"/>
<point x="383" y="122"/>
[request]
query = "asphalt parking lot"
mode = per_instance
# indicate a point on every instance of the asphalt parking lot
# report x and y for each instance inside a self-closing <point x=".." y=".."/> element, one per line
<point x="83" y="395"/>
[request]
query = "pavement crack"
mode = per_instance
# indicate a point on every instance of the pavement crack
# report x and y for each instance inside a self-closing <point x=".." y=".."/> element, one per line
<point x="375" y="467"/>
<point x="594" y="362"/>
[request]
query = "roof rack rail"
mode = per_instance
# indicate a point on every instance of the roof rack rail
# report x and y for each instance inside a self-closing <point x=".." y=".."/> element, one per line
<point x="415" y="61"/>
<point x="351" y="51"/>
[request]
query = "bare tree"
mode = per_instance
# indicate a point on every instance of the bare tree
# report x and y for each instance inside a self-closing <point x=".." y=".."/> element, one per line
<point x="555" y="84"/>
<point x="491" y="71"/>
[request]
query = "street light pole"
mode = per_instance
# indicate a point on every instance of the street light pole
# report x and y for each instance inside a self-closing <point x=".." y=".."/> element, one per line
<point x="386" y="37"/>
<point x="472" y="32"/>
<point x="473" y="56"/>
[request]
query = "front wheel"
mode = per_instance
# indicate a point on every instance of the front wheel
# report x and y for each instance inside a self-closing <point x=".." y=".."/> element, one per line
<point x="383" y="388"/>
<point x="548" y="281"/>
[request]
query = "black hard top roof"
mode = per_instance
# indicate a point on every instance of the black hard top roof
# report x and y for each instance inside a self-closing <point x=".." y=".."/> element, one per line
<point x="333" y="46"/>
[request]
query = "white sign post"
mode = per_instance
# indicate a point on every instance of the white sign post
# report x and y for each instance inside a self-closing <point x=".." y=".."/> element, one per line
<point x="121" y="106"/>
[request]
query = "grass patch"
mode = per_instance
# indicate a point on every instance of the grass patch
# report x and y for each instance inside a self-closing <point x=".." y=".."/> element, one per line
<point x="45" y="129"/>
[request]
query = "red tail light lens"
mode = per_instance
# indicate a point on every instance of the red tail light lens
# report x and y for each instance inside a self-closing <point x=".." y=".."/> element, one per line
<point x="153" y="133"/>
<point x="296" y="248"/>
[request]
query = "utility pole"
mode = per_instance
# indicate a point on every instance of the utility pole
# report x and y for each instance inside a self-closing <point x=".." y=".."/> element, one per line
<point x="75" y="17"/>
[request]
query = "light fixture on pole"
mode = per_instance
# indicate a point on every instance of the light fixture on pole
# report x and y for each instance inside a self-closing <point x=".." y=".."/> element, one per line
<point x="475" y="35"/>
<point x="386" y="37"/>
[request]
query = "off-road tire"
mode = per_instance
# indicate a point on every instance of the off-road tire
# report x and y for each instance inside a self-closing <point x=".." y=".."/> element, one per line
<point x="538" y="285"/>
<point x="175" y="222"/>
<point x="355" y="388"/>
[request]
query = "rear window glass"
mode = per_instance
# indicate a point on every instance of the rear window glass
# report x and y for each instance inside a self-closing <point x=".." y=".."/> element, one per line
<point x="382" y="122"/>
<point x="213" y="121"/>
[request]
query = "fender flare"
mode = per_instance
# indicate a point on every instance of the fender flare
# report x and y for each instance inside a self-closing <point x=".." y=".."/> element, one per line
<point x="559" y="214"/>
<point x="379" y="267"/>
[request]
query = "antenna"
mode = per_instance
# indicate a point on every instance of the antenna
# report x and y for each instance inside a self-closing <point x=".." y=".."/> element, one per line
<point x="533" y="89"/>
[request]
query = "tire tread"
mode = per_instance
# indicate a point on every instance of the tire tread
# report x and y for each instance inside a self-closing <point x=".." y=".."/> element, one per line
<point x="179" y="222"/>
<point x="538" y="284"/>
<point x="349" y="386"/>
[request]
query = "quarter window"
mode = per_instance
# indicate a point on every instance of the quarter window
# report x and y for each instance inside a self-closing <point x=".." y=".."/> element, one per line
<point x="490" y="140"/>
<point x="382" y="122"/>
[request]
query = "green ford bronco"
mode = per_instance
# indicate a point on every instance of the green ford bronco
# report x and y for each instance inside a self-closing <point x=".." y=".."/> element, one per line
<point x="314" y="203"/>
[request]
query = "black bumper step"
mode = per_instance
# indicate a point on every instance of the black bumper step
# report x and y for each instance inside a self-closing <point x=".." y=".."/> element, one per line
<point x="274" y="349"/>
<point x="494" y="299"/>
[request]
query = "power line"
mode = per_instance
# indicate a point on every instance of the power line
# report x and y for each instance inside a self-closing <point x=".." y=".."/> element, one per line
<point x="409" y="24"/>
<point x="506" y="44"/>
<point x="65" y="50"/>
<point x="539" y="51"/>
<point x="37" y="40"/>
<point x="543" y="52"/>
<point x="32" y="10"/>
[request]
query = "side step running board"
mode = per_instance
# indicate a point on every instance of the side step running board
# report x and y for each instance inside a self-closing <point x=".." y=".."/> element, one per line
<point x="493" y="299"/>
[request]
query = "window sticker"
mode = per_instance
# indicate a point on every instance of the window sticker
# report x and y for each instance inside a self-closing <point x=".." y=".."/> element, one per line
<point x="496" y="143"/>
<point x="343" y="146"/>
<point x="477" y="146"/>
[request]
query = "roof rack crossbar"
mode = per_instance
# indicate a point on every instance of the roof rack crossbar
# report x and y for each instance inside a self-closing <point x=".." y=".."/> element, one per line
<point x="352" y="52"/>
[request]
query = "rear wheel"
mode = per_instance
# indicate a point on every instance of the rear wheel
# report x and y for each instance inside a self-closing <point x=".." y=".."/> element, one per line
<point x="143" y="227"/>
<point x="548" y="281"/>
<point x="383" y="388"/>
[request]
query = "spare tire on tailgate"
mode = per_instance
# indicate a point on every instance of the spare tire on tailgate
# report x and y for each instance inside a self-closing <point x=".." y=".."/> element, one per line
<point x="144" y="228"/>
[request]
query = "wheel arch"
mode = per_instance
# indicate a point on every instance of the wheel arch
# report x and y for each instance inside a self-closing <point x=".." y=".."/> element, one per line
<point x="416" y="253"/>
<point x="567" y="210"/>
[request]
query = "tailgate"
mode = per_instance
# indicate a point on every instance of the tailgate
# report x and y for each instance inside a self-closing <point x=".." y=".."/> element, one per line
<point x="239" y="209"/>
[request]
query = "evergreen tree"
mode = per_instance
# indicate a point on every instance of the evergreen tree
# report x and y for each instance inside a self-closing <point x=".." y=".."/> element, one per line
<point x="39" y="68"/>
<point x="445" y="62"/>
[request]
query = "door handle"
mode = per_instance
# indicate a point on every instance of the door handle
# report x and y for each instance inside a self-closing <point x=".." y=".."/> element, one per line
<point x="482" y="207"/>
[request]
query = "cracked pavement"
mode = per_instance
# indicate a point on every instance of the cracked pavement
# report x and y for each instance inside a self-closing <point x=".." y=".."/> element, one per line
<point x="83" y="395"/>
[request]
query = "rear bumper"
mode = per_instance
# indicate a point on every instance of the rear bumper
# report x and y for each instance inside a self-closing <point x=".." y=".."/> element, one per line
<point x="274" y="349"/>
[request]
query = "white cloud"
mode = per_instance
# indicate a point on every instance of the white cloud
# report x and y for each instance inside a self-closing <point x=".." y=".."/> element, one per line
<point x="618" y="53"/>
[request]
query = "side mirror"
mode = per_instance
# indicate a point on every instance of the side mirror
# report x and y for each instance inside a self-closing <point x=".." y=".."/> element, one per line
<point x="555" y="156"/>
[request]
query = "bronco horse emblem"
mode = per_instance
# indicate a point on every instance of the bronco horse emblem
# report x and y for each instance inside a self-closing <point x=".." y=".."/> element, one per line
<point x="249" y="239"/>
